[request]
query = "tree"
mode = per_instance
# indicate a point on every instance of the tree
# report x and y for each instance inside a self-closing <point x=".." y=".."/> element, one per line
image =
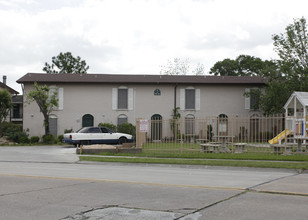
<point x="66" y="63"/>
<point x="243" y="65"/>
<point x="181" y="67"/>
<point x="46" y="100"/>
<point x="292" y="46"/>
<point x="5" y="106"/>
<point x="293" y="67"/>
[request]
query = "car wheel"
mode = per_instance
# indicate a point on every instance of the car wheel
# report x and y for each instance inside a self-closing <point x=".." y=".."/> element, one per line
<point x="122" y="140"/>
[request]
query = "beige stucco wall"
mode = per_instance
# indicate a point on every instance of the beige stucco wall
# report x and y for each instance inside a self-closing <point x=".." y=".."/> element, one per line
<point x="96" y="99"/>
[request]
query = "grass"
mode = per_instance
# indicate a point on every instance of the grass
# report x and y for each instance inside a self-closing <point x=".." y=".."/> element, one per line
<point x="173" y="155"/>
<point x="207" y="162"/>
<point x="199" y="155"/>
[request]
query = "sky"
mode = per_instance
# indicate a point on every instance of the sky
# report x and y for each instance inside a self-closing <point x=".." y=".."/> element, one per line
<point x="138" y="36"/>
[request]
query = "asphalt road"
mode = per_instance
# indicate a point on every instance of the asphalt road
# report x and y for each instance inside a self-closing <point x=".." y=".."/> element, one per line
<point x="50" y="183"/>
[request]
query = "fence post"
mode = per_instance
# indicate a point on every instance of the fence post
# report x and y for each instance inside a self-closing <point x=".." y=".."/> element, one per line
<point x="140" y="136"/>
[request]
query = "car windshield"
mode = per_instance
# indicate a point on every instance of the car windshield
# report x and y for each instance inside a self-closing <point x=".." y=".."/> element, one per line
<point x="83" y="130"/>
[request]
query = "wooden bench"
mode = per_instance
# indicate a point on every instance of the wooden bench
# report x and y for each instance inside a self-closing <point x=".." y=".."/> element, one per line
<point x="240" y="147"/>
<point x="210" y="147"/>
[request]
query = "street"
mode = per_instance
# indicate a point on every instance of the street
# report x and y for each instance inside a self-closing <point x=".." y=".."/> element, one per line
<point x="49" y="182"/>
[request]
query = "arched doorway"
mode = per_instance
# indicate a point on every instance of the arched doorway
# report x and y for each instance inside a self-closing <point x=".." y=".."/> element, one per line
<point x="190" y="125"/>
<point x="156" y="127"/>
<point x="222" y="125"/>
<point x="53" y="125"/>
<point x="87" y="120"/>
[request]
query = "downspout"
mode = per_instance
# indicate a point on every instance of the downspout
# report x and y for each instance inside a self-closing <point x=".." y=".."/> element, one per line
<point x="175" y="87"/>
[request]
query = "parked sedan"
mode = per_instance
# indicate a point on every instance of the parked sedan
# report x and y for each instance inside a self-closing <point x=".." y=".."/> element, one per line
<point x="96" y="135"/>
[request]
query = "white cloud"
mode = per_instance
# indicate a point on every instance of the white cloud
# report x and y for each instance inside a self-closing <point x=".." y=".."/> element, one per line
<point x="138" y="36"/>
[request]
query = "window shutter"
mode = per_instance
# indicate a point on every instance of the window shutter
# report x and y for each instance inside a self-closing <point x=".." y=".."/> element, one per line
<point x="130" y="99"/>
<point x="197" y="99"/>
<point x="114" y="98"/>
<point x="247" y="100"/>
<point x="182" y="99"/>
<point x="60" y="97"/>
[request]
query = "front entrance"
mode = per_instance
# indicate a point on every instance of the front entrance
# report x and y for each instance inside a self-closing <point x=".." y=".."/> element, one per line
<point x="156" y="127"/>
<point x="53" y="125"/>
<point x="87" y="120"/>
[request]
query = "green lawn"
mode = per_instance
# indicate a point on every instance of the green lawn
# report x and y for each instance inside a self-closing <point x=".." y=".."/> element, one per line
<point x="177" y="153"/>
<point x="233" y="163"/>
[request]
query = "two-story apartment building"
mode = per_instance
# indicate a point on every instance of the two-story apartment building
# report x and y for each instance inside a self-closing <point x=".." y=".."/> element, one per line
<point x="88" y="99"/>
<point x="15" y="115"/>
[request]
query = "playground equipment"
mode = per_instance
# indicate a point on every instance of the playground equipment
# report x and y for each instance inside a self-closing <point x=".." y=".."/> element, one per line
<point x="296" y="123"/>
<point x="280" y="137"/>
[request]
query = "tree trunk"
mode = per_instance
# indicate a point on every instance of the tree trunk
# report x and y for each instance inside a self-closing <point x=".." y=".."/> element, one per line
<point x="46" y="124"/>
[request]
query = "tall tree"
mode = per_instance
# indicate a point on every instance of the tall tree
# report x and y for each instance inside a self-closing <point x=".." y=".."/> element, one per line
<point x="66" y="63"/>
<point x="46" y="100"/>
<point x="243" y="65"/>
<point x="291" y="47"/>
<point x="181" y="67"/>
<point x="5" y="106"/>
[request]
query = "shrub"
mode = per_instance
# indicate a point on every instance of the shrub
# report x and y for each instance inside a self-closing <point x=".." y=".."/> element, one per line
<point x="34" y="139"/>
<point x="9" y="128"/>
<point x="14" y="132"/>
<point x="127" y="128"/>
<point x="108" y="125"/>
<point x="49" y="139"/>
<point x="60" y="138"/>
<point x="18" y="137"/>
<point x="68" y="131"/>
<point x="23" y="139"/>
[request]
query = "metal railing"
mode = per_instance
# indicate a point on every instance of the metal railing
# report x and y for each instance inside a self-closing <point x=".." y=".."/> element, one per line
<point x="216" y="134"/>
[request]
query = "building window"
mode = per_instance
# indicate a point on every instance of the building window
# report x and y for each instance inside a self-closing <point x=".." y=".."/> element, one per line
<point x="59" y="94"/>
<point x="157" y="92"/>
<point x="252" y="99"/>
<point x="122" y="98"/>
<point x="122" y="119"/>
<point x="190" y="100"/>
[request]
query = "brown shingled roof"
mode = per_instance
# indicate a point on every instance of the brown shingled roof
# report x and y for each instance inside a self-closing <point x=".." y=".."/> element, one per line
<point x="12" y="91"/>
<point x="128" y="78"/>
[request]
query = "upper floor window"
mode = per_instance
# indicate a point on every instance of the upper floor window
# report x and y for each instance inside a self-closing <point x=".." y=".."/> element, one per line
<point x="59" y="95"/>
<point x="252" y="99"/>
<point x="157" y="92"/>
<point x="190" y="99"/>
<point x="122" y="98"/>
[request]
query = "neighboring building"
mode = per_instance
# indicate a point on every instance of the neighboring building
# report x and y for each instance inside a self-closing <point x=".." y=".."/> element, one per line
<point x="88" y="99"/>
<point x="17" y="101"/>
<point x="17" y="110"/>
<point x="4" y="86"/>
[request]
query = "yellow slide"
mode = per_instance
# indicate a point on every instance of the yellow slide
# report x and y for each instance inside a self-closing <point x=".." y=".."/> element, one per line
<point x="280" y="137"/>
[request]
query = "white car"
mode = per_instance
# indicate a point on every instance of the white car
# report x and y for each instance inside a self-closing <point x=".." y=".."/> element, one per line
<point x="96" y="135"/>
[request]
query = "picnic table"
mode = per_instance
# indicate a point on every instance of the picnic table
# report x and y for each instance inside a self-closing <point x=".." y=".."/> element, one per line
<point x="210" y="147"/>
<point x="202" y="140"/>
<point x="224" y="140"/>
